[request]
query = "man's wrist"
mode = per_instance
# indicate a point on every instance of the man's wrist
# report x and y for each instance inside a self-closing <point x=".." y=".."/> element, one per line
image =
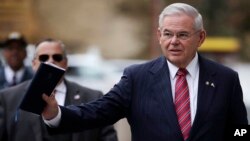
<point x="55" y="121"/>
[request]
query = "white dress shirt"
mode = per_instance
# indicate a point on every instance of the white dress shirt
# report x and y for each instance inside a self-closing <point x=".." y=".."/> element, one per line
<point x="9" y="73"/>
<point x="192" y="80"/>
<point x="60" y="93"/>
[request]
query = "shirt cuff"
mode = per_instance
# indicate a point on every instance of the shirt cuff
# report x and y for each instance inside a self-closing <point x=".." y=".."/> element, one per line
<point x="55" y="121"/>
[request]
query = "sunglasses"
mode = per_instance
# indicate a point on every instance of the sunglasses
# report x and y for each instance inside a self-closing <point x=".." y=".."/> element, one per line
<point x="45" y="57"/>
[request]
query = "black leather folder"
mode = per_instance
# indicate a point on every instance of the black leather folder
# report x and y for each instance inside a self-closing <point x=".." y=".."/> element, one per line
<point x="45" y="80"/>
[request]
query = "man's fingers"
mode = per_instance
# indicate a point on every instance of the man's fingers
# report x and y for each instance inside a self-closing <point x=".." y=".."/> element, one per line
<point x="45" y="97"/>
<point x="51" y="109"/>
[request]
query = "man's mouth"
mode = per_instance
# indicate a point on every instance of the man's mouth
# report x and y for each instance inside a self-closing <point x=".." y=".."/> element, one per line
<point x="175" y="51"/>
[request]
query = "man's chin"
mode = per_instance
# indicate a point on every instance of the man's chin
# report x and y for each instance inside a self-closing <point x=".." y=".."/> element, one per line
<point x="177" y="61"/>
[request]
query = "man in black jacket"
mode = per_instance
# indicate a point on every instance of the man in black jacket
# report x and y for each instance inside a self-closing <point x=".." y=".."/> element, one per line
<point x="14" y="71"/>
<point x="16" y="124"/>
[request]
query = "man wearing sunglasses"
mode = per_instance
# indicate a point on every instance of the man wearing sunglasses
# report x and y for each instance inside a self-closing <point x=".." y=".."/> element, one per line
<point x="16" y="125"/>
<point x="13" y="70"/>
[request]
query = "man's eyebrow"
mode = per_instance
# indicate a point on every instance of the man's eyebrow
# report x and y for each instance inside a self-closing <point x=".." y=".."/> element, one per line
<point x="166" y="30"/>
<point x="182" y="31"/>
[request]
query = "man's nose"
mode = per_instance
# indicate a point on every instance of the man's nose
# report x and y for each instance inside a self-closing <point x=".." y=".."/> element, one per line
<point x="15" y="51"/>
<point x="174" y="40"/>
<point x="51" y="60"/>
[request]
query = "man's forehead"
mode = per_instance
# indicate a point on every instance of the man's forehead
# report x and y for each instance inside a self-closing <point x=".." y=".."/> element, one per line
<point x="178" y="19"/>
<point x="15" y="45"/>
<point x="48" y="43"/>
<point x="49" y="51"/>
<point x="175" y="30"/>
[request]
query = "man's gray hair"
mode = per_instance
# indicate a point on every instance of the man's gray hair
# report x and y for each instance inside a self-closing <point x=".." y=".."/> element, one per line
<point x="182" y="8"/>
<point x="62" y="45"/>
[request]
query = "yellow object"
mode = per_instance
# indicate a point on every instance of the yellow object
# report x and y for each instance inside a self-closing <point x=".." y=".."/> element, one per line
<point x="220" y="44"/>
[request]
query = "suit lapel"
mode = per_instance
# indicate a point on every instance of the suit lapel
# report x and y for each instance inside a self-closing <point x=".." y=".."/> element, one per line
<point x="206" y="86"/>
<point x="72" y="95"/>
<point x="162" y="88"/>
<point x="3" y="81"/>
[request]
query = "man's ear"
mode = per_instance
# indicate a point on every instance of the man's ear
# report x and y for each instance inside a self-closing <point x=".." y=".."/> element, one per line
<point x="202" y="37"/>
<point x="159" y="34"/>
<point x="65" y="64"/>
<point x="33" y="64"/>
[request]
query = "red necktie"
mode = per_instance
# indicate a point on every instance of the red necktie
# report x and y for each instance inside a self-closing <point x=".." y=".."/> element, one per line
<point x="182" y="103"/>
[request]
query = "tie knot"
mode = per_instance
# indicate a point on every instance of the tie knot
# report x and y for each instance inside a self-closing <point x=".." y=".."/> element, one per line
<point x="182" y="72"/>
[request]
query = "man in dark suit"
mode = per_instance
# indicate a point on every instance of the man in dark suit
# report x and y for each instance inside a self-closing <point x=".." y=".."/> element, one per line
<point x="176" y="97"/>
<point x="14" y="52"/>
<point x="16" y="124"/>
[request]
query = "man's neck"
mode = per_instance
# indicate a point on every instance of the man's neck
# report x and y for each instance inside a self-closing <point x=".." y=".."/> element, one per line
<point x="16" y="68"/>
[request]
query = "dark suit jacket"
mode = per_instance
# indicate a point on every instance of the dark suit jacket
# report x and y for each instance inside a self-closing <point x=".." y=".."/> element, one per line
<point x="28" y="74"/>
<point x="144" y="97"/>
<point x="19" y="125"/>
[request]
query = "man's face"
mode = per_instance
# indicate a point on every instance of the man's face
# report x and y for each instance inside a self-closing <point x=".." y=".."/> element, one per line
<point x="14" y="55"/>
<point x="178" y="39"/>
<point x="49" y="52"/>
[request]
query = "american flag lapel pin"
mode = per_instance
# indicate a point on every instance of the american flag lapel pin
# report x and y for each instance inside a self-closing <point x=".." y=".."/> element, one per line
<point x="207" y="83"/>
<point x="212" y="84"/>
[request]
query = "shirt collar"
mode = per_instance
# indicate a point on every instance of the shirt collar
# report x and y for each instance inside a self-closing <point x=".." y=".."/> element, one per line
<point x="192" y="68"/>
<point x="10" y="73"/>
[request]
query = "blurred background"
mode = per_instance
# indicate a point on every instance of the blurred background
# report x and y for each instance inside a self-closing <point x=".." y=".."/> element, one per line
<point x="105" y="36"/>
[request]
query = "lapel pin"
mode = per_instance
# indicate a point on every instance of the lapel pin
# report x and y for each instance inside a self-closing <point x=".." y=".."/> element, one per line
<point x="207" y="83"/>
<point x="76" y="97"/>
<point x="212" y="84"/>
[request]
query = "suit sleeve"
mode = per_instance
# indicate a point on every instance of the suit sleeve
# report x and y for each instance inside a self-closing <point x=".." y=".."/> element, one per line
<point x="103" y="112"/>
<point x="238" y="113"/>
